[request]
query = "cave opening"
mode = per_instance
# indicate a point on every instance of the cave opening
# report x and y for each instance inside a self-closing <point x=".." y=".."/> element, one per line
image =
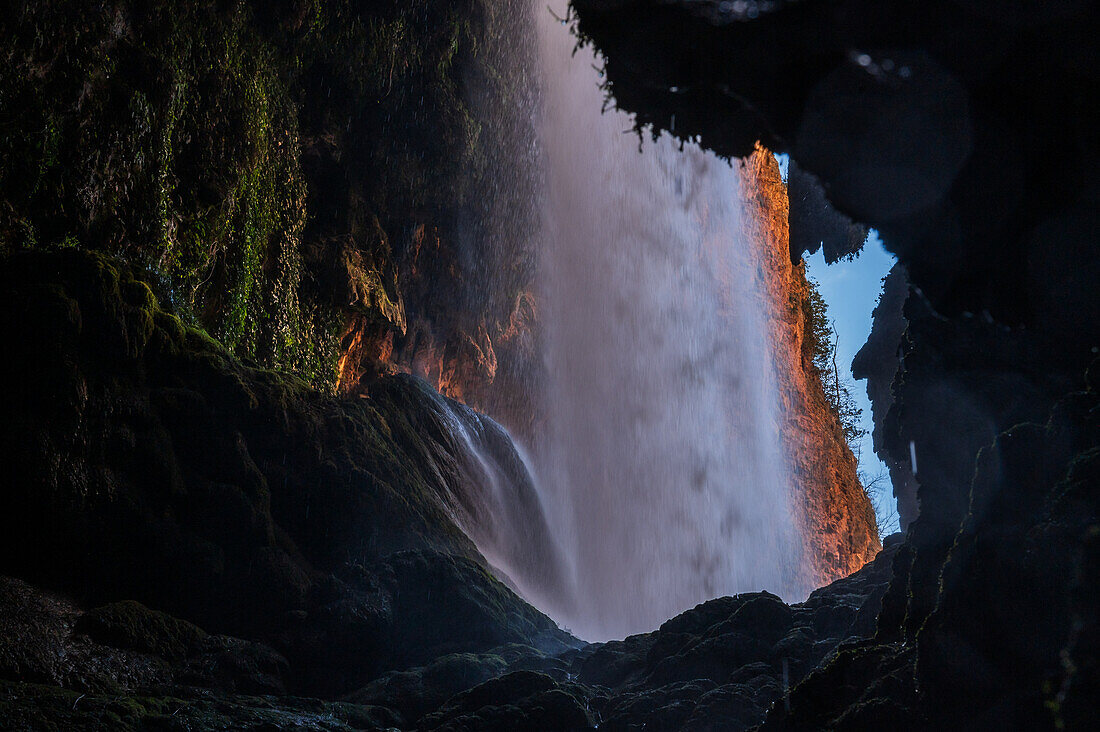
<point x="852" y="289"/>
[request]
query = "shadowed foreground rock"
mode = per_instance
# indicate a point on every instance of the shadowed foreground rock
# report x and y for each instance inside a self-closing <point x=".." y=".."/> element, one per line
<point x="944" y="125"/>
<point x="146" y="463"/>
<point x="205" y="545"/>
<point x="718" y="666"/>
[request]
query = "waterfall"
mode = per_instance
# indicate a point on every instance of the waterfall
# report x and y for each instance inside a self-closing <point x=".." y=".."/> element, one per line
<point x="495" y="500"/>
<point x="656" y="478"/>
<point x="660" y="458"/>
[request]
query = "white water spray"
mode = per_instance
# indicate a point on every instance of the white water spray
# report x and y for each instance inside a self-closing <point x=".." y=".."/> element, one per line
<point x="661" y="478"/>
<point x="660" y="464"/>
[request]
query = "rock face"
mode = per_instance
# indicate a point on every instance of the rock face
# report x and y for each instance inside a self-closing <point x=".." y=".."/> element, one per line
<point x="725" y="662"/>
<point x="946" y="148"/>
<point x="877" y="362"/>
<point x="719" y="665"/>
<point x="144" y="462"/>
<point x="305" y="177"/>
<point x="838" y="522"/>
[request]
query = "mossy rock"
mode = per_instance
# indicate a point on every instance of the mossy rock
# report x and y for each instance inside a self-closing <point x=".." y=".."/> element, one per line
<point x="50" y="709"/>
<point x="248" y="153"/>
<point x="170" y="473"/>
<point x="134" y="627"/>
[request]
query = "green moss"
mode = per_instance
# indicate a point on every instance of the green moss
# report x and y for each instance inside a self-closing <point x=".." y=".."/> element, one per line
<point x="174" y="137"/>
<point x="172" y="328"/>
<point x="174" y="143"/>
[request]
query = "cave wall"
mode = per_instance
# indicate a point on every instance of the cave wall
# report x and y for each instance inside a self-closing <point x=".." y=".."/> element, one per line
<point x="960" y="132"/>
<point x="877" y="362"/>
<point x="1004" y="149"/>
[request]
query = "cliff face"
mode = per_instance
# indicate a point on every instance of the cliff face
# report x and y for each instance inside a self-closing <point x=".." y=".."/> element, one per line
<point x="837" y="519"/>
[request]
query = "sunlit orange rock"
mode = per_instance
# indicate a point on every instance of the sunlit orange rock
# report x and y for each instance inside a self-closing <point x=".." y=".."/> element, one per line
<point x="839" y="528"/>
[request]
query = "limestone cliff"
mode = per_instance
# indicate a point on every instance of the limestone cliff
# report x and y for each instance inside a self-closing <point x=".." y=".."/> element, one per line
<point x="837" y="520"/>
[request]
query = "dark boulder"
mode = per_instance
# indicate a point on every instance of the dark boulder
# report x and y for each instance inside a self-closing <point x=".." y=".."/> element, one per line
<point x="148" y="464"/>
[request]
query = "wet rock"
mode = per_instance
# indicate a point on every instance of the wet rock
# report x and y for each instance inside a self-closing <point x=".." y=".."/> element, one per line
<point x="132" y="626"/>
<point x="724" y="675"/>
<point x="727" y="707"/>
<point x="732" y="656"/>
<point x="664" y="707"/>
<point x="616" y="663"/>
<point x="416" y="692"/>
<point x="172" y="474"/>
<point x="34" y="707"/>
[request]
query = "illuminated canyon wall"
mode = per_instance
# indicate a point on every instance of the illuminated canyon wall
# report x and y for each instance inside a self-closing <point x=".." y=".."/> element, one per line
<point x="838" y="521"/>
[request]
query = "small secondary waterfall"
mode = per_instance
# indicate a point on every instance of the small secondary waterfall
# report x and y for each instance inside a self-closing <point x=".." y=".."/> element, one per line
<point x="660" y="461"/>
<point x="496" y="502"/>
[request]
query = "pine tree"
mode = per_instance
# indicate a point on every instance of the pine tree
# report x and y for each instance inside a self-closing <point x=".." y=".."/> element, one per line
<point x="820" y="344"/>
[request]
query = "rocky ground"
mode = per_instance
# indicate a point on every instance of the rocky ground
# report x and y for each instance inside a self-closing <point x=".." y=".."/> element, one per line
<point x="721" y="665"/>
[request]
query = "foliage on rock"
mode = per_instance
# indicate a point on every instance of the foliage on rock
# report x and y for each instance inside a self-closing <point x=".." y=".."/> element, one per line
<point x="819" y="348"/>
<point x="245" y="152"/>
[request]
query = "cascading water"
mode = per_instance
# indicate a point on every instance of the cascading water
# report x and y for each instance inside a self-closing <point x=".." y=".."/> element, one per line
<point x="660" y="457"/>
<point x="496" y="502"/>
<point x="661" y="480"/>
